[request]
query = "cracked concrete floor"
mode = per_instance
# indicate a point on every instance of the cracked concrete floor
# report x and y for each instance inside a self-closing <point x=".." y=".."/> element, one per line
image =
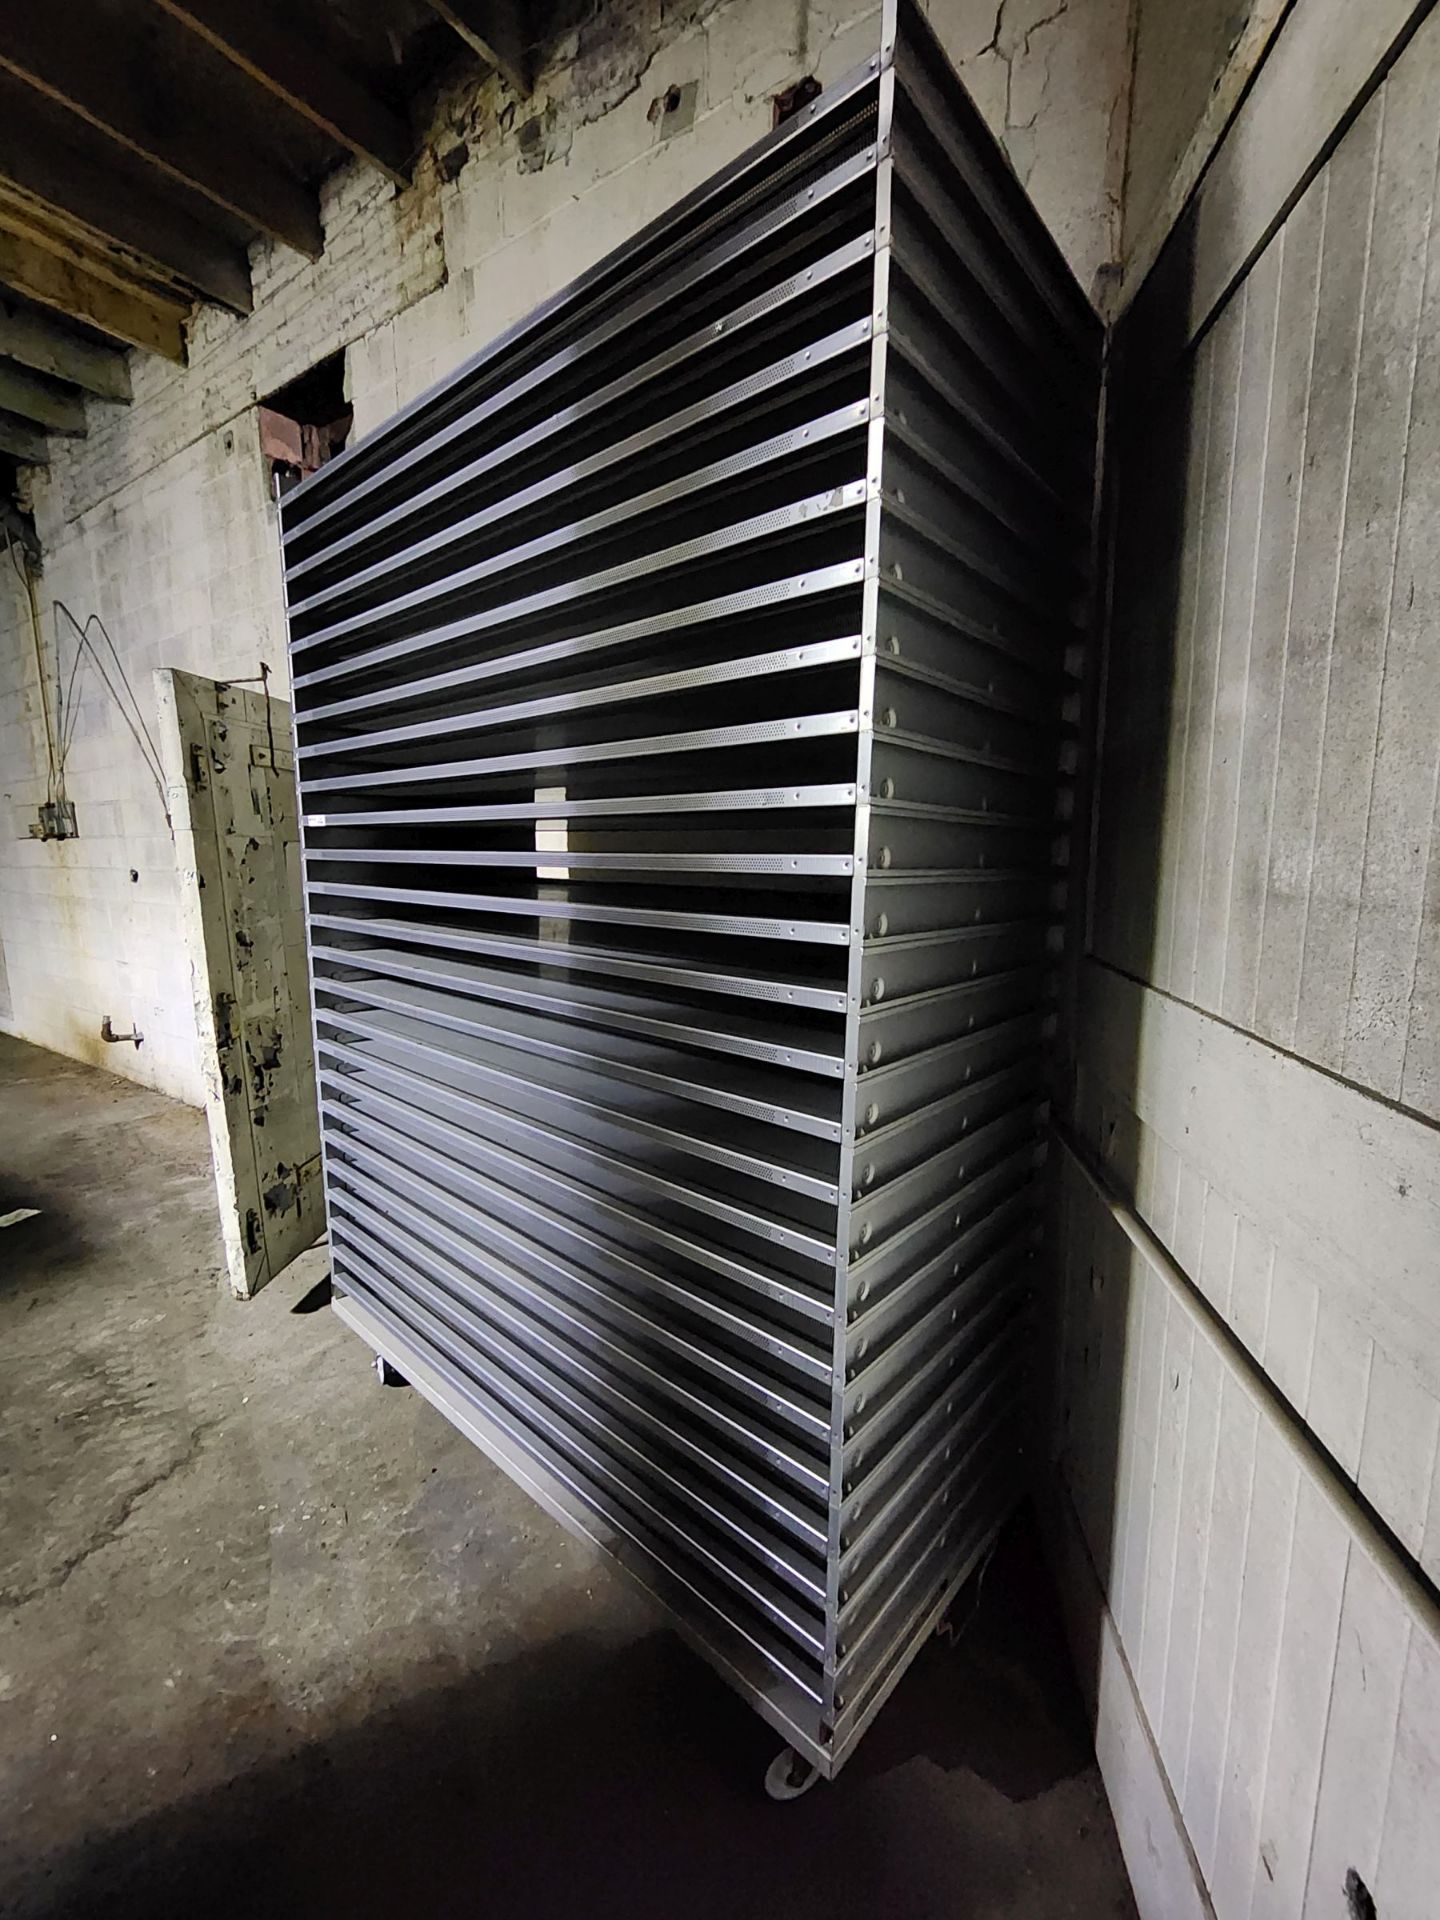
<point x="275" y="1641"/>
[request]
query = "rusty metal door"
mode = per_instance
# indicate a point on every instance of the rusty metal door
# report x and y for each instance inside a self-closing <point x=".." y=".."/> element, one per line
<point x="231" y="779"/>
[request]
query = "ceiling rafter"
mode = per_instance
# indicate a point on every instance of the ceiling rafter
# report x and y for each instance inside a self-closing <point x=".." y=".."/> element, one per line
<point x="271" y="52"/>
<point x="22" y="442"/>
<point x="43" y="402"/>
<point x="57" y="274"/>
<point x="31" y="339"/>
<point x="36" y="160"/>
<point x="145" y="145"/>
<point x="498" y="31"/>
<point x="94" y="73"/>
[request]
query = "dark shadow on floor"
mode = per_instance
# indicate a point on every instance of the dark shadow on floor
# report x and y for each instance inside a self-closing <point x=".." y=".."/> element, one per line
<point x="582" y="1780"/>
<point x="36" y="1251"/>
<point x="318" y="1296"/>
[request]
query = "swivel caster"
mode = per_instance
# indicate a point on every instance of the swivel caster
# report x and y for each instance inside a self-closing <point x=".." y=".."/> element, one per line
<point x="387" y="1375"/>
<point x="789" y="1775"/>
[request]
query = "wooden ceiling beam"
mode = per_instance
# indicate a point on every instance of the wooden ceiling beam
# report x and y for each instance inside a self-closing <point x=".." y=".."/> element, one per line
<point x="497" y="30"/>
<point x="33" y="340"/>
<point x="262" y="44"/>
<point x="56" y="274"/>
<point x="36" y="160"/>
<point x="45" y="403"/>
<point x="22" y="442"/>
<point x="95" y="72"/>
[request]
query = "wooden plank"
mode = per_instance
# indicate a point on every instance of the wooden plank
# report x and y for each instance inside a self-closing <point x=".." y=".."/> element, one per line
<point x="1394" y="268"/>
<point x="1430" y="1545"/>
<point x="1390" y="940"/>
<point x="1324" y="60"/>
<point x="1408" y="1872"/>
<point x="1360" y="1736"/>
<point x="1324" y="1741"/>
<point x="59" y="277"/>
<point x="1172" y="1389"/>
<point x="1349" y="190"/>
<point x="263" y="45"/>
<point x="1214" y="1265"/>
<point x="1194" y="788"/>
<point x="497" y="31"/>
<point x="1309" y="1641"/>
<point x="1197" y="1478"/>
<point x="1215" y="1657"/>
<point x="111" y="205"/>
<point x="1264" y="1594"/>
<point x="1290" y="1328"/>
<point x="43" y="402"/>
<point x="20" y="440"/>
<point x="1187" y="1241"/>
<point x="1167" y="1186"/>
<point x="1397" y="1448"/>
<point x="1116" y="1288"/>
<point x="1298" y="305"/>
<point x="34" y="340"/>
<point x="1420" y="1075"/>
<point x="1222" y="796"/>
<point x="1116" y="1405"/>
<point x="95" y="74"/>
<point x="1163" y="1876"/>
<point x="1341" y="1356"/>
<point x="1143" y="1379"/>
<point x="1185" y="843"/>
<point x="1339" y="1181"/>
<point x="1250" y="1289"/>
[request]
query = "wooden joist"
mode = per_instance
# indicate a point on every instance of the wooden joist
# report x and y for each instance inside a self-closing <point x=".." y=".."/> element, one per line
<point x="44" y="403"/>
<point x="100" y="74"/>
<point x="59" y="275"/>
<point x="497" y="30"/>
<point x="113" y="204"/>
<point x="22" y="442"/>
<point x="33" y="340"/>
<point x="259" y="40"/>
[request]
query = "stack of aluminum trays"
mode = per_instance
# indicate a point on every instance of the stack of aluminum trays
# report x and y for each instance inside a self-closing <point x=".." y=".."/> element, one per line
<point x="678" y="700"/>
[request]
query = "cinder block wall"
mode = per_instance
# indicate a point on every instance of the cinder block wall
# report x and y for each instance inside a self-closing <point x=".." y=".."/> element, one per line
<point x="160" y="522"/>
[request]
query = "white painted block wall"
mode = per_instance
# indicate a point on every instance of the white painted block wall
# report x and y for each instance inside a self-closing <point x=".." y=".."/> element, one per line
<point x="159" y="521"/>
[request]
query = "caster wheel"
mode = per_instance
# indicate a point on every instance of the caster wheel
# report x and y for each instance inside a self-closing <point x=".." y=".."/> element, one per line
<point x="387" y="1375"/>
<point x="788" y="1775"/>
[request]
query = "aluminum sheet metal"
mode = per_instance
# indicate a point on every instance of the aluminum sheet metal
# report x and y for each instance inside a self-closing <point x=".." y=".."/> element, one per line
<point x="681" y="704"/>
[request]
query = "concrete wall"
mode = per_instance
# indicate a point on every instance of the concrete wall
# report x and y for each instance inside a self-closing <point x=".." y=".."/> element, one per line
<point x="1193" y="62"/>
<point x="159" y="521"/>
<point x="1249" y="1384"/>
<point x="1182" y="48"/>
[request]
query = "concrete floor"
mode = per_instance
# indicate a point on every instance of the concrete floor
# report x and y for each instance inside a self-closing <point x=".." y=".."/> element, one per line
<point x="275" y="1641"/>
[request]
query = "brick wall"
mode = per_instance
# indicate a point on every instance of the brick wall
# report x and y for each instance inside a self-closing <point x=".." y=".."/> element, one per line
<point x="160" y="523"/>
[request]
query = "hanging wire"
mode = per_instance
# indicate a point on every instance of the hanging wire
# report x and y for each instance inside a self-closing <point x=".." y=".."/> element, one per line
<point x="134" y="717"/>
<point x="60" y="726"/>
<point x="55" y="780"/>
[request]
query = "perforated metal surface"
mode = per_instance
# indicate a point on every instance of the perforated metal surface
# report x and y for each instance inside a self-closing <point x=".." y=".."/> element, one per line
<point x="678" y="697"/>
